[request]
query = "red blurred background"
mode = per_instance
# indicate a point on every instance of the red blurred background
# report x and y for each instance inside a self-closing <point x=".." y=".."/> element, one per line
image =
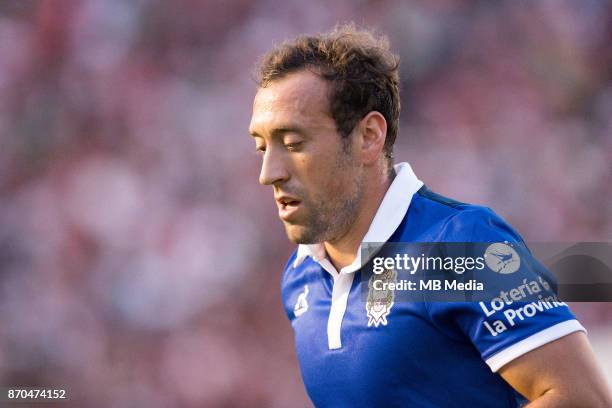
<point x="140" y="259"/>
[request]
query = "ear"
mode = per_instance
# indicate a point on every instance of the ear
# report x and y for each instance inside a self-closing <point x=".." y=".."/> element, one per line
<point x="372" y="134"/>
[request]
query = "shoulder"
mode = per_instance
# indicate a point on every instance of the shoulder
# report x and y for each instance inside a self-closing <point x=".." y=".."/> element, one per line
<point x="288" y="267"/>
<point x="458" y="221"/>
<point x="293" y="280"/>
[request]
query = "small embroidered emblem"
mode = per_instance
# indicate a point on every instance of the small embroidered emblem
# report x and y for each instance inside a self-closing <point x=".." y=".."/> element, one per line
<point x="380" y="302"/>
<point x="301" y="306"/>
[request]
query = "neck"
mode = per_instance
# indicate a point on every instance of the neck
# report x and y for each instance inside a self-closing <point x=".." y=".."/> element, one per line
<point x="343" y="250"/>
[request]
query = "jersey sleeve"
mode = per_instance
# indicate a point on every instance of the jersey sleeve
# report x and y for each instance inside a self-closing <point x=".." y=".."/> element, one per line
<point x="523" y="312"/>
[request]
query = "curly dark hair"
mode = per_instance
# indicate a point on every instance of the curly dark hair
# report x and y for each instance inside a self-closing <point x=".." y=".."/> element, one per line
<point x="362" y="72"/>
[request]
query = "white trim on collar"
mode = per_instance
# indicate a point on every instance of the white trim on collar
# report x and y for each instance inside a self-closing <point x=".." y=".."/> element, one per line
<point x="388" y="217"/>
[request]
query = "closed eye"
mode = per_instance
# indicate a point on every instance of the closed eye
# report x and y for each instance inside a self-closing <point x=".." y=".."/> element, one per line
<point x="293" y="147"/>
<point x="260" y="150"/>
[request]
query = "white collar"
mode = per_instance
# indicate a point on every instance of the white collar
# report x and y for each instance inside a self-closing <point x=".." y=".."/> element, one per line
<point x="388" y="217"/>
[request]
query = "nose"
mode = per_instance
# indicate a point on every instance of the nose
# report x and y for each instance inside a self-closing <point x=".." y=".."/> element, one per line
<point x="273" y="169"/>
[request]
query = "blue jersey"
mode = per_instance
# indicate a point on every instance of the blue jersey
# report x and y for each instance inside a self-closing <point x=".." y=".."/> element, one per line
<point x="416" y="354"/>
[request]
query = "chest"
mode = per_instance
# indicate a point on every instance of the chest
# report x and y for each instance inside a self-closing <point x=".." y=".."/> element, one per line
<point x="387" y="351"/>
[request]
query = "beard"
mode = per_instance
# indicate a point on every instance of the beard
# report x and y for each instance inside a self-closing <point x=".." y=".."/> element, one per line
<point x="330" y="214"/>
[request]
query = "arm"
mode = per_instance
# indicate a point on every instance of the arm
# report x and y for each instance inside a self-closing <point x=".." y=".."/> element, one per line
<point x="562" y="373"/>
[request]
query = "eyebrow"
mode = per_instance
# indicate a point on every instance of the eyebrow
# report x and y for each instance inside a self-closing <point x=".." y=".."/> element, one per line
<point x="278" y="132"/>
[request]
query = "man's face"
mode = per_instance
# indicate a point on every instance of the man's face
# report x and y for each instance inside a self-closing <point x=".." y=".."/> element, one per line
<point x="314" y="173"/>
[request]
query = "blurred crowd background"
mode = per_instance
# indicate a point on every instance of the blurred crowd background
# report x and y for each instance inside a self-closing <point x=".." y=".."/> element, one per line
<point x="140" y="259"/>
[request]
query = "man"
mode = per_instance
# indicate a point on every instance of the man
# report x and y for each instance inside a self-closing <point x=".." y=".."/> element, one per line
<point x="325" y="119"/>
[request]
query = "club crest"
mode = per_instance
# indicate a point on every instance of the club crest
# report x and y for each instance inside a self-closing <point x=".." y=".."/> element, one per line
<point x="301" y="305"/>
<point x="380" y="302"/>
